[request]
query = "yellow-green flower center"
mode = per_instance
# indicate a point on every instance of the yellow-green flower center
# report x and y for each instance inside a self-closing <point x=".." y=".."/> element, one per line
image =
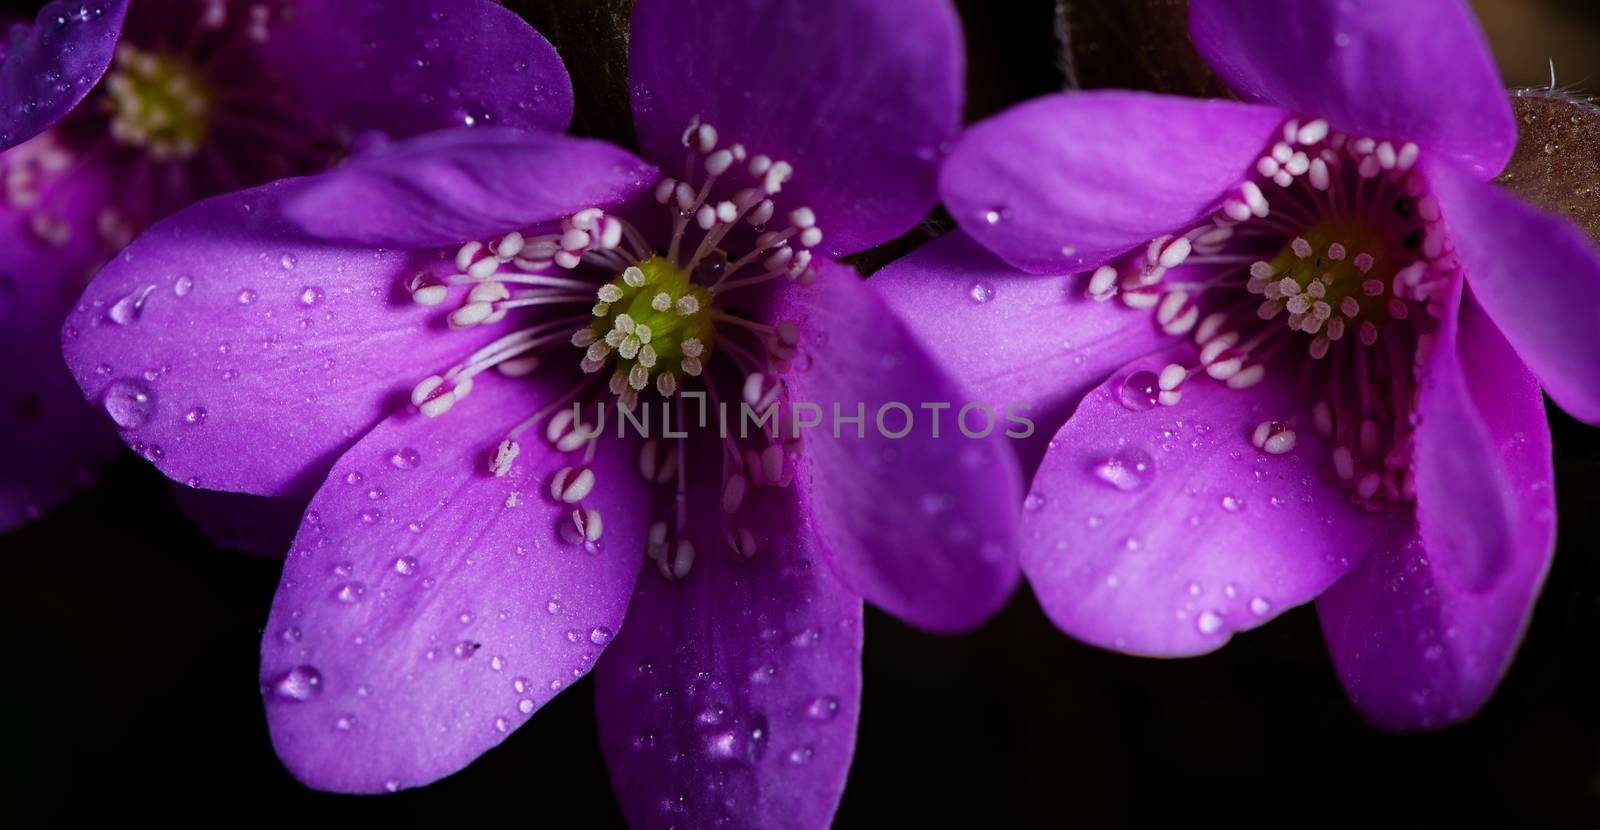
<point x="158" y="103"/>
<point x="655" y="322"/>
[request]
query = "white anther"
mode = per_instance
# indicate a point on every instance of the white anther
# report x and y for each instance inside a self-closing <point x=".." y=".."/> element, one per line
<point x="585" y="527"/>
<point x="1255" y="199"/>
<point x="1367" y="487"/>
<point x="466" y="254"/>
<point x="1282" y="152"/>
<point x="692" y="347"/>
<point x="1428" y="208"/>
<point x="1141" y="297"/>
<point x="1319" y="174"/>
<point x="1351" y="307"/>
<point x="690" y="366"/>
<point x="802" y="217"/>
<point x="629" y="349"/>
<point x="1344" y="462"/>
<point x="1336" y="328"/>
<point x="1407" y="157"/>
<point x="425" y="389"/>
<point x="707" y="138"/>
<point x="706" y="217"/>
<point x="1269" y="309"/>
<point x="1247" y="377"/>
<point x="510" y="246"/>
<point x="488" y="292"/>
<point x="1368" y="333"/>
<point x="610" y="293"/>
<point x="727" y="212"/>
<point x="779" y="173"/>
<point x="686" y="196"/>
<point x="743" y="543"/>
<point x="772" y="463"/>
<point x="733" y="493"/>
<point x="638" y="377"/>
<point x="1322" y="418"/>
<point x="1283" y="178"/>
<point x="687" y="305"/>
<point x="1364" y="262"/>
<point x="1298" y="304"/>
<point x="438" y="405"/>
<point x="1175" y="252"/>
<point x="661" y="301"/>
<point x="1298" y="165"/>
<point x="430" y="294"/>
<point x="1225" y="368"/>
<point x="1236" y="210"/>
<point x="633" y="276"/>
<point x="718" y="163"/>
<point x="761" y="214"/>
<point x="1172" y="376"/>
<point x="1336" y="252"/>
<point x="1103" y="285"/>
<point x="665" y="189"/>
<point x="572" y="484"/>
<point x="1301" y="247"/>
<point x="584" y="338"/>
<point x="1210" y="326"/>
<point x="1369" y="167"/>
<point x="655" y="545"/>
<point x="647" y="357"/>
<point x="759" y="164"/>
<point x="1169" y="397"/>
<point x="1312" y="132"/>
<point x="679" y="562"/>
<point x="1267" y="166"/>
<point x="811" y="237"/>
<point x="1319" y="347"/>
<point x="504" y="456"/>
<point x="1386" y="155"/>
<point x="518" y="366"/>
<point x="666" y="384"/>
<point x="1317" y="289"/>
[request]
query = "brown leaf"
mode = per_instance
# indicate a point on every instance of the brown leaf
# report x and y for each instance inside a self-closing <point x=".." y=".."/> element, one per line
<point x="1557" y="162"/>
<point x="592" y="38"/>
<point x="1132" y="44"/>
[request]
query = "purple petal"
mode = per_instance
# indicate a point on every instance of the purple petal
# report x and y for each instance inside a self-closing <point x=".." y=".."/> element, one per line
<point x="48" y="67"/>
<point x="52" y="443"/>
<point x="1010" y="336"/>
<point x="1418" y="646"/>
<point x="1161" y="530"/>
<point x="429" y="607"/>
<point x="238" y="353"/>
<point x="409" y="66"/>
<point x="1524" y="267"/>
<point x="253" y="525"/>
<point x="459" y="185"/>
<point x="1370" y="67"/>
<point x="859" y="95"/>
<point x="731" y="696"/>
<point x="922" y="526"/>
<point x="1063" y="183"/>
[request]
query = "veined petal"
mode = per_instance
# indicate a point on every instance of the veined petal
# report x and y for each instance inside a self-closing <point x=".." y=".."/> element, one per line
<point x="48" y="67"/>
<point x="731" y="695"/>
<point x="409" y="66"/>
<point x="450" y="187"/>
<point x="429" y="607"/>
<point x="242" y="354"/>
<point x="1419" y="638"/>
<point x="1370" y="67"/>
<point x="1064" y="183"/>
<point x="858" y="95"/>
<point x="1161" y="530"/>
<point x="1525" y="267"/>
<point x="1009" y="336"/>
<point x="922" y="525"/>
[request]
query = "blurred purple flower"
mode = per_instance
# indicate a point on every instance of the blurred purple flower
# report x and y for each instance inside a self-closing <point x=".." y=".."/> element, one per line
<point x="114" y="114"/>
<point x="471" y="555"/>
<point x="1306" y="360"/>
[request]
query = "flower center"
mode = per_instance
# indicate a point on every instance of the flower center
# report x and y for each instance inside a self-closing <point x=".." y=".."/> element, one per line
<point x="158" y="103"/>
<point x="651" y="319"/>
<point x="1334" y="236"/>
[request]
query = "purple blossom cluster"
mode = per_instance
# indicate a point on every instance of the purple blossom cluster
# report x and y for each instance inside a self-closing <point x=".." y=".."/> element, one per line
<point x="335" y="268"/>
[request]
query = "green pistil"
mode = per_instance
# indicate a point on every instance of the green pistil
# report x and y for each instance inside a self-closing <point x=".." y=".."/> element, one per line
<point x="158" y="102"/>
<point x="647" y="315"/>
<point x="1335" y="261"/>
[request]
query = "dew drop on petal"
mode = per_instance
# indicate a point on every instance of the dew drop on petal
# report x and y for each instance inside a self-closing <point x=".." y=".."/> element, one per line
<point x="195" y="416"/>
<point x="405" y="459"/>
<point x="1260" y="606"/>
<point x="183" y="285"/>
<point x="1208" y="623"/>
<point x="247" y="296"/>
<point x="823" y="708"/>
<point x="600" y="635"/>
<point x="405" y="565"/>
<point x="130" y="403"/>
<point x="1128" y="469"/>
<point x="311" y="295"/>
<point x="1140" y="391"/>
<point x="298" y="683"/>
<point x="350" y="593"/>
<point x="981" y="292"/>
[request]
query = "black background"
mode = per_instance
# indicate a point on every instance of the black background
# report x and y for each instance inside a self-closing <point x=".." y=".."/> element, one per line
<point x="130" y="646"/>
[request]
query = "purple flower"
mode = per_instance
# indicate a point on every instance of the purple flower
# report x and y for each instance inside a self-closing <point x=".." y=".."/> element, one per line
<point x="113" y="115"/>
<point x="1305" y="361"/>
<point x="409" y="334"/>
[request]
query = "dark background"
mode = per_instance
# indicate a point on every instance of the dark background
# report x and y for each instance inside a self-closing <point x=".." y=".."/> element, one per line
<point x="130" y="644"/>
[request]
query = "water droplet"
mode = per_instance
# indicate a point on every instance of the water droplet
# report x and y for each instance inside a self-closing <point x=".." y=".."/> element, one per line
<point x="370" y="516"/>
<point x="801" y="756"/>
<point x="1260" y="606"/>
<point x="353" y="477"/>
<point x="525" y="706"/>
<point x="126" y="311"/>
<point x="130" y="403"/>
<point x="195" y="416"/>
<point x="981" y="292"/>
<point x="1208" y="623"/>
<point x="311" y="295"/>
<point x="1034" y="501"/>
<point x="743" y="744"/>
<point x="1139" y="391"/>
<point x="1232" y="504"/>
<point x="183" y="285"/>
<point x="288" y="261"/>
<point x="501" y="724"/>
<point x="350" y="592"/>
<point x="290" y="635"/>
<point x="406" y="459"/>
<point x="298" y="683"/>
<point x="345" y="723"/>
<point x="405" y="565"/>
<point x="247" y="296"/>
<point x="465" y="649"/>
<point x="553" y="606"/>
<point x="1097" y="521"/>
<point x="1129" y="469"/>
<point x="823" y="708"/>
<point x="600" y="635"/>
<point x="392" y="785"/>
